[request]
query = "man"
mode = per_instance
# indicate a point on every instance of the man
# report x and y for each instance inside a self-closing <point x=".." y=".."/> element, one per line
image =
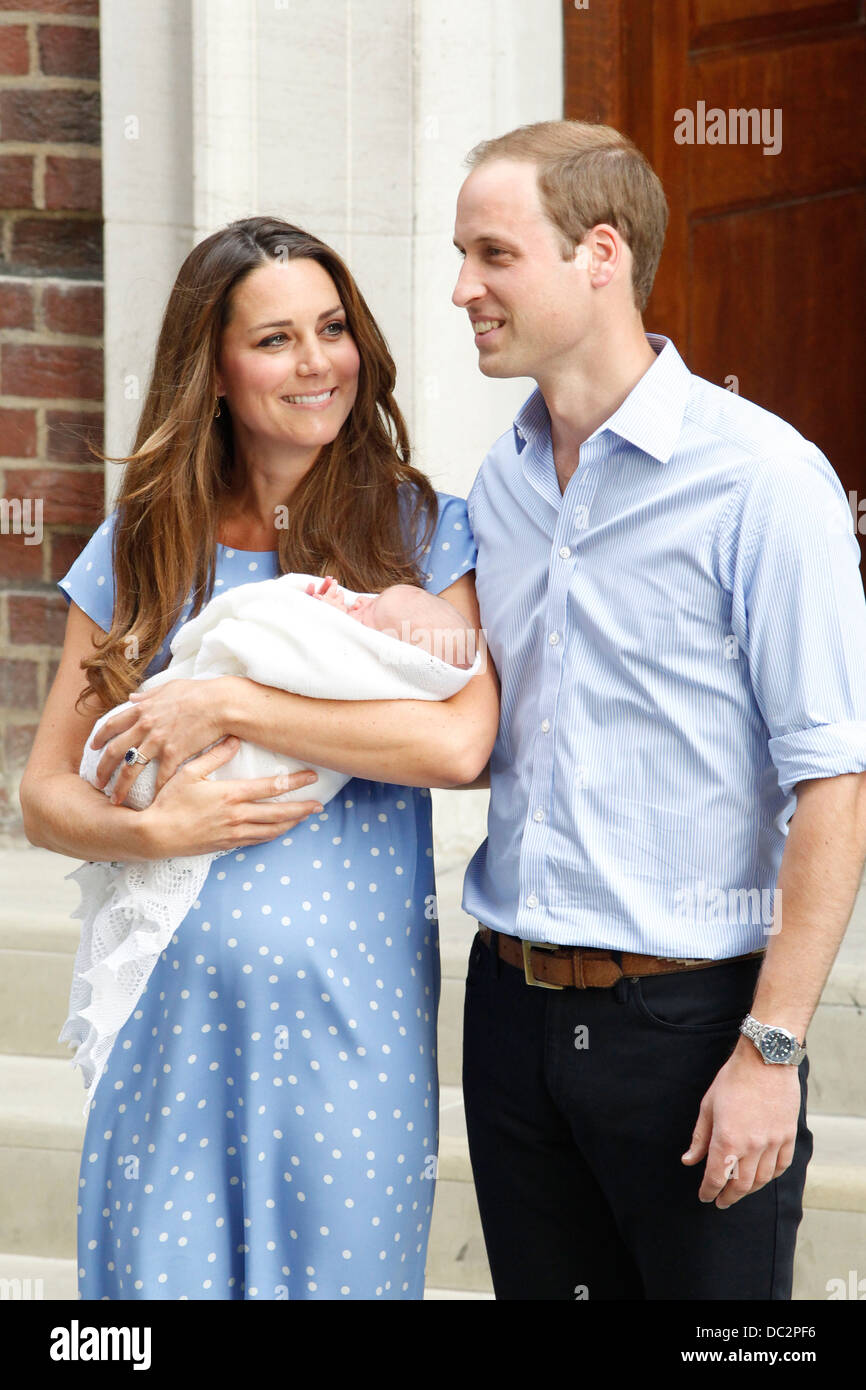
<point x="667" y="576"/>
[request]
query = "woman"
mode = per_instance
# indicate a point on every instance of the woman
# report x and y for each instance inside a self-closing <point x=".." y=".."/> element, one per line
<point x="264" y="1125"/>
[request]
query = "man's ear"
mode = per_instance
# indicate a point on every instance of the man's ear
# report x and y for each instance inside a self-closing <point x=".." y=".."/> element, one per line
<point x="604" y="251"/>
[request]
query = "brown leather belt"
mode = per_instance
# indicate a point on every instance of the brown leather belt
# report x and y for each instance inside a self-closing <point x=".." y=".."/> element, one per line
<point x="585" y="967"/>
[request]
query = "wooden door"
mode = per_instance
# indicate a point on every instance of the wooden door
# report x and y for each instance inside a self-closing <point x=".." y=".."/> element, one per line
<point x="762" y="276"/>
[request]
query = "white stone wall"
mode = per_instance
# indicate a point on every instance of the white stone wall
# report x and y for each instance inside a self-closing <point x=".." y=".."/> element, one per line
<point x="147" y="174"/>
<point x="351" y="120"/>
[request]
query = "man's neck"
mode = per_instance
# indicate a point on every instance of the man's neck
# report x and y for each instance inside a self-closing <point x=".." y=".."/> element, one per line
<point x="582" y="396"/>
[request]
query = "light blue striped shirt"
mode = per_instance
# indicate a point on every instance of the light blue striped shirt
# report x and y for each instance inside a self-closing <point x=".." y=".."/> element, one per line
<point x="681" y="638"/>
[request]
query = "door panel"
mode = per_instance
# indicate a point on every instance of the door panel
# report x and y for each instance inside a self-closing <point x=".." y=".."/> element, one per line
<point x="726" y="21"/>
<point x="762" y="273"/>
<point x="783" y="79"/>
<point x="743" y="267"/>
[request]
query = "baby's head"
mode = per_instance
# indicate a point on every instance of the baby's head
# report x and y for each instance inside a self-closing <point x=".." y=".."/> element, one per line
<point x="424" y="620"/>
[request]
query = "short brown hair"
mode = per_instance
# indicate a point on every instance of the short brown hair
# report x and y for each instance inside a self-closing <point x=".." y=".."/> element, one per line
<point x="589" y="173"/>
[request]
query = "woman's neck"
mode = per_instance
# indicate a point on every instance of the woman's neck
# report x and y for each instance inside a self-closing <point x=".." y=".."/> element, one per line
<point x="254" y="503"/>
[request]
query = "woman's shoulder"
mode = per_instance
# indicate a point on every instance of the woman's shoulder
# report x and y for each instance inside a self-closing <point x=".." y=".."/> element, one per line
<point x="90" y="578"/>
<point x="447" y="503"/>
<point x="450" y="551"/>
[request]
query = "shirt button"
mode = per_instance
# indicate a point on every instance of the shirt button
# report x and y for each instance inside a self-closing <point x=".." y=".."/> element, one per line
<point x="532" y="901"/>
<point x="564" y="552"/>
<point x="553" y="638"/>
<point x="539" y="814"/>
<point x="545" y="726"/>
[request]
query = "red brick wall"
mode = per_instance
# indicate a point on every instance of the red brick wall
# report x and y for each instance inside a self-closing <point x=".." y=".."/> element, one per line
<point x="50" y="346"/>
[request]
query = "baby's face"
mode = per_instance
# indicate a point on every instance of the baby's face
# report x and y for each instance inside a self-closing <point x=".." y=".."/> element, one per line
<point x="388" y="612"/>
<point x="410" y="615"/>
<point x="368" y="609"/>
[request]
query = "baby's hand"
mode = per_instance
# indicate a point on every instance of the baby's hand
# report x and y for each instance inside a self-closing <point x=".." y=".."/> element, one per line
<point x="329" y="593"/>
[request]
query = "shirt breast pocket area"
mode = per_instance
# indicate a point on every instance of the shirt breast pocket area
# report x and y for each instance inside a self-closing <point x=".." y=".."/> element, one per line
<point x="714" y="1000"/>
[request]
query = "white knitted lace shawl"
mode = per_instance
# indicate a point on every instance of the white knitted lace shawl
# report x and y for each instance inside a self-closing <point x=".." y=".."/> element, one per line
<point x="277" y="635"/>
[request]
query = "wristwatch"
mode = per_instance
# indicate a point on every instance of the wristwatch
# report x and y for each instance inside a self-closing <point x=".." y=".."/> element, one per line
<point x="775" y="1045"/>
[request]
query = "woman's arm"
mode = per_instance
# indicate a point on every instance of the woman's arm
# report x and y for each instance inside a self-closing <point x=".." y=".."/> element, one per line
<point x="416" y="743"/>
<point x="481" y="783"/>
<point x="423" y="743"/>
<point x="60" y="810"/>
<point x="64" y="813"/>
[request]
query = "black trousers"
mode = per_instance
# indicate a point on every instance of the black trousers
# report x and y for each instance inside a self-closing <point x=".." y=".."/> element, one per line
<point x="579" y="1104"/>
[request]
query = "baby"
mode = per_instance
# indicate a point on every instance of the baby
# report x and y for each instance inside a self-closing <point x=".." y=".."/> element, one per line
<point x="269" y="632"/>
<point x="410" y="615"/>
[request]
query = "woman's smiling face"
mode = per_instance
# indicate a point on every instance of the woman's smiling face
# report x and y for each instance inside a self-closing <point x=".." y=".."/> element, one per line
<point x="287" y="365"/>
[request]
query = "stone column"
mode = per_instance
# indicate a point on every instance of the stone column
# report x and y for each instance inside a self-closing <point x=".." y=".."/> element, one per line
<point x="148" y="162"/>
<point x="351" y="120"/>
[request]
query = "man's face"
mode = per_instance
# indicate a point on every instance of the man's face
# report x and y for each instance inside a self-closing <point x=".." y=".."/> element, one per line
<point x="527" y="305"/>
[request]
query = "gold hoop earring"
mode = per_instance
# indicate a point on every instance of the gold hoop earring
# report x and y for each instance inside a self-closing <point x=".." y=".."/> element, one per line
<point x="216" y="414"/>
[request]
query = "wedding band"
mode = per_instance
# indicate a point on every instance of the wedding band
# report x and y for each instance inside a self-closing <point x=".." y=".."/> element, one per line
<point x="132" y="755"/>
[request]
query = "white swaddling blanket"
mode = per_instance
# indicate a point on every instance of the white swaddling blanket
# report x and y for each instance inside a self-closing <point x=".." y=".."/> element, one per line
<point x="278" y="635"/>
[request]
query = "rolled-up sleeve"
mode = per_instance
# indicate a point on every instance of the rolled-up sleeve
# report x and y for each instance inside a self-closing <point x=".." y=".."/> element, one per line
<point x="799" y="614"/>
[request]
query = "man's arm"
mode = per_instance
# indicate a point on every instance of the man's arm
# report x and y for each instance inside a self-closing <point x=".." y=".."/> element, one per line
<point x="749" y="1114"/>
<point x="416" y="743"/>
<point x="818" y="882"/>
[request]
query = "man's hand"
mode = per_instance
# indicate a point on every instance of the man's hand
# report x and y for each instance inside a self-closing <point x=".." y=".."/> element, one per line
<point x="747" y="1126"/>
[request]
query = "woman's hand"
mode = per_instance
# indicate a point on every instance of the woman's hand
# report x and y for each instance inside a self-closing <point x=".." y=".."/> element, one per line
<point x="170" y="723"/>
<point x="192" y="815"/>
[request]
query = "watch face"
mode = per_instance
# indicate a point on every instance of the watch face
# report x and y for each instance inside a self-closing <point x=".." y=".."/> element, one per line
<point x="776" y="1045"/>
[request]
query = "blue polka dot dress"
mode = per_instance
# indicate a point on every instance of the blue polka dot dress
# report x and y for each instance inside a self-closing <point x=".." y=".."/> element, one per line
<point x="266" y="1126"/>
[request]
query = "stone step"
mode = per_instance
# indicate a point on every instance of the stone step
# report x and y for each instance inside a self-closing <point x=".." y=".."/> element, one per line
<point x="41" y="1125"/>
<point x="27" y="1277"/>
<point x="41" y="1132"/>
<point x="460" y="1295"/>
<point x="38" y="941"/>
<point x="34" y="997"/>
<point x="832" y="1234"/>
<point x="39" y="937"/>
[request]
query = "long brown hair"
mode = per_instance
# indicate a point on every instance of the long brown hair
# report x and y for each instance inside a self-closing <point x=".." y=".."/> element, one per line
<point x="346" y="517"/>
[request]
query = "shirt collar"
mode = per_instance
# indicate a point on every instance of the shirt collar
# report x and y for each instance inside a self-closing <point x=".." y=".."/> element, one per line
<point x="650" y="417"/>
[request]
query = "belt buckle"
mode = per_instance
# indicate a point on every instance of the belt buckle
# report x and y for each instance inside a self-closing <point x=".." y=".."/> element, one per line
<point x="528" y="946"/>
